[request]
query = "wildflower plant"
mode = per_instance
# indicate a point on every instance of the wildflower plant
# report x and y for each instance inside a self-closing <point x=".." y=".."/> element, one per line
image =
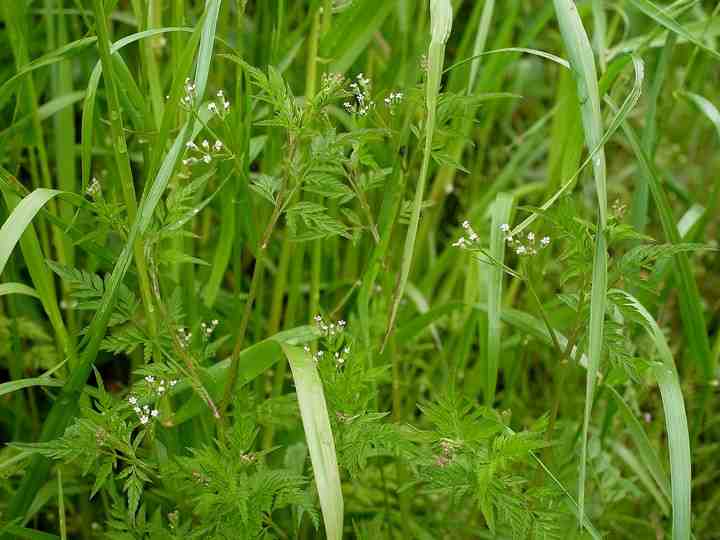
<point x="236" y="299"/>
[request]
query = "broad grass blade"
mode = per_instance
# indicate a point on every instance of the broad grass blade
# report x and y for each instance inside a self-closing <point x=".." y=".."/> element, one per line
<point x="321" y="445"/>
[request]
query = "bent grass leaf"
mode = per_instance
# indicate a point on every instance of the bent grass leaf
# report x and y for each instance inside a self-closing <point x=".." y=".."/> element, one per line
<point x="675" y="418"/>
<point x="18" y="288"/>
<point x="320" y="442"/>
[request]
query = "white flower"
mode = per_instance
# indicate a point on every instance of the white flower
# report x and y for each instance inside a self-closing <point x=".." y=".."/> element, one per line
<point x="144" y="419"/>
<point x="466" y="224"/>
<point x="460" y="242"/>
<point x="132" y="400"/>
<point x="190" y="145"/>
<point x="217" y="146"/>
<point x="226" y="105"/>
<point x="521" y="250"/>
<point x="207" y="158"/>
<point x="205" y="144"/>
<point x="212" y="107"/>
<point x="173" y="382"/>
<point x="531" y="237"/>
<point x="94" y="189"/>
<point x="505" y="227"/>
<point x="150" y="378"/>
<point x="161" y="390"/>
<point x="545" y="240"/>
<point x="154" y="412"/>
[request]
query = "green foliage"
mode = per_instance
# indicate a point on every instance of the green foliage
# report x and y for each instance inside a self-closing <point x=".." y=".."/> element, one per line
<point x="358" y="269"/>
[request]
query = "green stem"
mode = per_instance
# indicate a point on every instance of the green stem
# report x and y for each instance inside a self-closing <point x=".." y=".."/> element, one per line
<point x="122" y="159"/>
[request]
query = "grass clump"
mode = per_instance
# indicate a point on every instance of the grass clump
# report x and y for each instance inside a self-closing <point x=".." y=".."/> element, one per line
<point x="361" y="269"/>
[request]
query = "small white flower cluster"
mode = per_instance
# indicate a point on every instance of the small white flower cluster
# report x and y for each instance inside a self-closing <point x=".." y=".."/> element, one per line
<point x="157" y="389"/>
<point x="362" y="104"/>
<point x="472" y="236"/>
<point x="145" y="413"/>
<point x="94" y="189"/>
<point x="208" y="328"/>
<point x="529" y="246"/>
<point x="331" y="82"/>
<point x="395" y="98"/>
<point x="329" y="329"/>
<point x="188" y="100"/>
<point x="337" y="347"/>
<point x="184" y="337"/>
<point x="160" y="386"/>
<point x="248" y="458"/>
<point x="220" y="106"/>
<point x="202" y="153"/>
<point x="339" y="356"/>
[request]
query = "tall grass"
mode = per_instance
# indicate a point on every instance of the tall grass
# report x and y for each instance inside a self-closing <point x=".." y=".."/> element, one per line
<point x="358" y="269"/>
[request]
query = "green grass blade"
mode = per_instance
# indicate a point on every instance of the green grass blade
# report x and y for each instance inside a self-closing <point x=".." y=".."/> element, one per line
<point x="27" y="534"/>
<point x="13" y="386"/>
<point x="441" y="23"/>
<point x="17" y="288"/>
<point x="61" y="506"/>
<point x="659" y="16"/>
<point x="352" y="31"/>
<point x="524" y="50"/>
<point x="254" y="361"/>
<point x="18" y="227"/>
<point x="595" y="347"/>
<point x="582" y="63"/>
<point x="58" y="55"/>
<point x="649" y="456"/>
<point x="589" y="527"/>
<point x="675" y="419"/>
<point x="691" y="309"/>
<point x="638" y="468"/>
<point x="709" y="28"/>
<point x="500" y="215"/>
<point x="480" y="41"/>
<point x="65" y="406"/>
<point x="321" y="445"/>
<point x="45" y="111"/>
<point x="599" y="31"/>
<point x="705" y="106"/>
<point x="91" y="93"/>
<point x="207" y="41"/>
<point x="20" y="218"/>
<point x="617" y="120"/>
<point x="641" y="197"/>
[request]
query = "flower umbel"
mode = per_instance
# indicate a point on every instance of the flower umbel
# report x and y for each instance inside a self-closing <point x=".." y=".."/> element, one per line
<point x="361" y="103"/>
<point x="527" y="247"/>
<point x="202" y="153"/>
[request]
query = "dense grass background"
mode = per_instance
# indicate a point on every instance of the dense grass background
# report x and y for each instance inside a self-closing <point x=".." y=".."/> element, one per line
<point x="496" y="386"/>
